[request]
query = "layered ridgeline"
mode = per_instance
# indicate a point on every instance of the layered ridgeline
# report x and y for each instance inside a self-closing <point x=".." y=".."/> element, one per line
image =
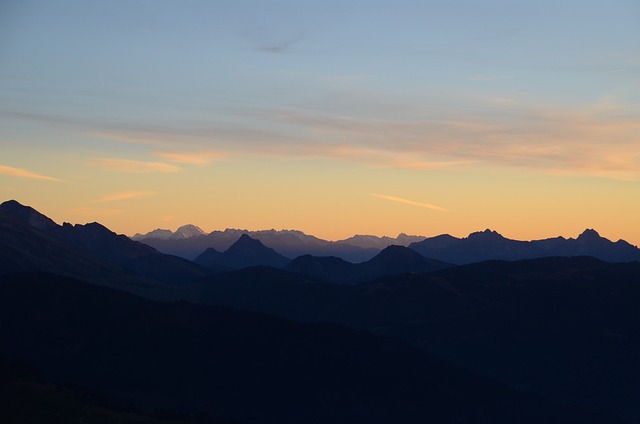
<point x="189" y="242"/>
<point x="487" y="245"/>
<point x="32" y="242"/>
<point x="390" y="261"/>
<point x="566" y="328"/>
<point x="290" y="243"/>
<point x="230" y="364"/>
<point x="247" y="252"/>
<point x="239" y="365"/>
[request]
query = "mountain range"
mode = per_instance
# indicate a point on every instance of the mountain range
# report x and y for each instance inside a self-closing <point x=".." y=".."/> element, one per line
<point x="245" y="252"/>
<point x="390" y="261"/>
<point x="405" y="337"/>
<point x="290" y="243"/>
<point x="477" y="247"/>
<point x="487" y="245"/>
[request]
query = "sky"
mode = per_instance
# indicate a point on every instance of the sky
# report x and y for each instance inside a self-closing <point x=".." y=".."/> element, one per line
<point x="333" y="118"/>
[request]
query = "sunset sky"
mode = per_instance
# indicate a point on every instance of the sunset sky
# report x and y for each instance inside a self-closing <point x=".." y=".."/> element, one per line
<point x="330" y="117"/>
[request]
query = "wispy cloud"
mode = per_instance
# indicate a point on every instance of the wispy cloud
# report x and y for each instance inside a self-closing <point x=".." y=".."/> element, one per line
<point x="409" y="202"/>
<point x="282" y="46"/>
<point x="192" y="158"/>
<point x="124" y="195"/>
<point x="599" y="139"/>
<point x="383" y="158"/>
<point x="23" y="173"/>
<point x="134" y="166"/>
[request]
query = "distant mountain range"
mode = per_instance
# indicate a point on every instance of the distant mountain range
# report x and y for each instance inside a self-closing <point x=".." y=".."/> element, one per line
<point x="487" y="245"/>
<point x="290" y="243"/>
<point x="184" y="232"/>
<point x="189" y="242"/>
<point x="32" y="241"/>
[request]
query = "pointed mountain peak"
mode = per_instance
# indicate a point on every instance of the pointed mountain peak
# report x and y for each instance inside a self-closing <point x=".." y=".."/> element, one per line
<point x="247" y="243"/>
<point x="247" y="251"/>
<point x="246" y="238"/>
<point x="26" y="215"/>
<point x="589" y="234"/>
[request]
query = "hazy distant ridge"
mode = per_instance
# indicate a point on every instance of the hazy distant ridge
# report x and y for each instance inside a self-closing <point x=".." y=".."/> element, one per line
<point x="478" y="246"/>
<point x="488" y="245"/>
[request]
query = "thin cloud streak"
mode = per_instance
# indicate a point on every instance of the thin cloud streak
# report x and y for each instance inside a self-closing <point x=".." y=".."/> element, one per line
<point x="134" y="166"/>
<point x="125" y="195"/>
<point x="409" y="202"/>
<point x="23" y="173"/>
<point x="192" y="158"/>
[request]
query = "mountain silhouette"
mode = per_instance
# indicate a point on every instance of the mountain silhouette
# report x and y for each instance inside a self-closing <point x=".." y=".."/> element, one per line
<point x="489" y="245"/>
<point x="290" y="243"/>
<point x="399" y="259"/>
<point x="245" y="252"/>
<point x="158" y="233"/>
<point x="29" y="241"/>
<point x="392" y="260"/>
<point x="13" y="213"/>
<point x="183" y="232"/>
<point x="477" y="247"/>
<point x="562" y="327"/>
<point x="375" y="242"/>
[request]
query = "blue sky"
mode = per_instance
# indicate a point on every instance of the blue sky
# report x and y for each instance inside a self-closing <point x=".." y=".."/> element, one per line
<point x="136" y="101"/>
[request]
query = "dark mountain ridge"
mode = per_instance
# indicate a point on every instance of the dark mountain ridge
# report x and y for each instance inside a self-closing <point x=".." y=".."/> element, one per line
<point x="245" y="252"/>
<point x="29" y="241"/>
<point x="477" y="247"/>
<point x="290" y="243"/>
<point x="392" y="260"/>
<point x="488" y="245"/>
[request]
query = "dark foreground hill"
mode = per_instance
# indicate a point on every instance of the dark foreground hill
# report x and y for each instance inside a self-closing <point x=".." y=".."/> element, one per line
<point x="27" y="396"/>
<point x="241" y="365"/>
<point x="567" y="328"/>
